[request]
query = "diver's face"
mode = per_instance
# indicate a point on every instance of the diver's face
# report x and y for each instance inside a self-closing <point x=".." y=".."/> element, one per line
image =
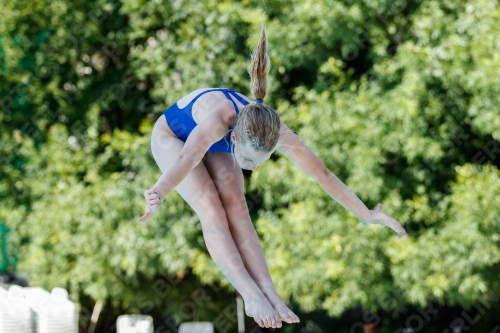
<point x="247" y="157"/>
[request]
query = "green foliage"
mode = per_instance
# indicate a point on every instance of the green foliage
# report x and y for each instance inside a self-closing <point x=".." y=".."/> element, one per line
<point x="4" y="254"/>
<point x="81" y="231"/>
<point x="397" y="136"/>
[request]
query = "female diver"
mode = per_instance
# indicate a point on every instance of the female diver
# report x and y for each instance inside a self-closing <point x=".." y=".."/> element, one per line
<point x="195" y="142"/>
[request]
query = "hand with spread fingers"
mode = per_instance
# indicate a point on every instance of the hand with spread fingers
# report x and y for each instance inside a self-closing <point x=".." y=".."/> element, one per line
<point x="377" y="216"/>
<point x="153" y="203"/>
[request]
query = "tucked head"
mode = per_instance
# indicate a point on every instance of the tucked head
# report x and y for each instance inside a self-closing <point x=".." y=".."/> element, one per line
<point x="256" y="129"/>
<point x="247" y="156"/>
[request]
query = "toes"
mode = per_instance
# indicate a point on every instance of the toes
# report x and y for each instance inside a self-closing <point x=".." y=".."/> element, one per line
<point x="292" y="317"/>
<point x="288" y="318"/>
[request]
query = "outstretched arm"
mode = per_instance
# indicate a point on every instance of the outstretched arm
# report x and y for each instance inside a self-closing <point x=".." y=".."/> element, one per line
<point x="303" y="157"/>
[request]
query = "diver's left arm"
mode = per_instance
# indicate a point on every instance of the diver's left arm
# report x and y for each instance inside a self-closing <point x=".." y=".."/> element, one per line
<point x="302" y="156"/>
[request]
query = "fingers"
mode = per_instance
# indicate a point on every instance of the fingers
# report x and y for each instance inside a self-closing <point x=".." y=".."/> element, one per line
<point x="397" y="227"/>
<point x="153" y="203"/>
<point x="144" y="217"/>
<point x="403" y="232"/>
<point x="153" y="199"/>
<point x="147" y="215"/>
<point x="400" y="231"/>
<point x="150" y="195"/>
<point x="154" y="208"/>
<point x="392" y="223"/>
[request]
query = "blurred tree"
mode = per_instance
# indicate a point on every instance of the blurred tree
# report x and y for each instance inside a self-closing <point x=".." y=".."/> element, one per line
<point x="405" y="134"/>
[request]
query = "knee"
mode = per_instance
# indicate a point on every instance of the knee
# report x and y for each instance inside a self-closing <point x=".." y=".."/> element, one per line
<point x="239" y="208"/>
<point x="206" y="201"/>
<point x="235" y="203"/>
<point x="215" y="227"/>
<point x="208" y="206"/>
<point x="211" y="211"/>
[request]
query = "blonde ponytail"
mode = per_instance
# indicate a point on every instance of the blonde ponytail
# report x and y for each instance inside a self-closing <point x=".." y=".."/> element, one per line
<point x="258" y="124"/>
<point x="259" y="66"/>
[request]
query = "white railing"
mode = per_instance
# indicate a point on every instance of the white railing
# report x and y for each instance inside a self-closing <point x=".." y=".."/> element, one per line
<point x="34" y="310"/>
<point x="134" y="324"/>
<point x="197" y="327"/>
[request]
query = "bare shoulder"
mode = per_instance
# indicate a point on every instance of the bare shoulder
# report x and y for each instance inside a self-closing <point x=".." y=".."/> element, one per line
<point x="214" y="124"/>
<point x="285" y="133"/>
<point x="184" y="101"/>
<point x="219" y="110"/>
<point x="212" y="103"/>
<point x="288" y="139"/>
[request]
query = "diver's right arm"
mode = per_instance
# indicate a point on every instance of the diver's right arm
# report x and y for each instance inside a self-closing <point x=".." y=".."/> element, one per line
<point x="209" y="130"/>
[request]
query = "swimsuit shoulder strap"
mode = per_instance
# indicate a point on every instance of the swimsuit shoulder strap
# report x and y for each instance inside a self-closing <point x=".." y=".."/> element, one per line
<point x="238" y="97"/>
<point x="228" y="95"/>
<point x="198" y="96"/>
<point x="227" y="92"/>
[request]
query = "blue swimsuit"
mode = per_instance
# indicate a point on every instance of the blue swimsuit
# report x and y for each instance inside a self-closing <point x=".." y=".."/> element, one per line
<point x="182" y="123"/>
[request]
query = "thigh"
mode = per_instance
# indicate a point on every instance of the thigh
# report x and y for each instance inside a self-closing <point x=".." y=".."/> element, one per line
<point x="228" y="179"/>
<point x="197" y="189"/>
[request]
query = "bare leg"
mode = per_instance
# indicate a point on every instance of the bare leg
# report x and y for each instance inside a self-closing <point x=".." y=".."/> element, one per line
<point x="228" y="179"/>
<point x="200" y="193"/>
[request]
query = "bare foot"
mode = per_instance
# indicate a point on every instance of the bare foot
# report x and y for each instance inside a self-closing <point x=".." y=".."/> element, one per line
<point x="262" y="312"/>
<point x="284" y="312"/>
